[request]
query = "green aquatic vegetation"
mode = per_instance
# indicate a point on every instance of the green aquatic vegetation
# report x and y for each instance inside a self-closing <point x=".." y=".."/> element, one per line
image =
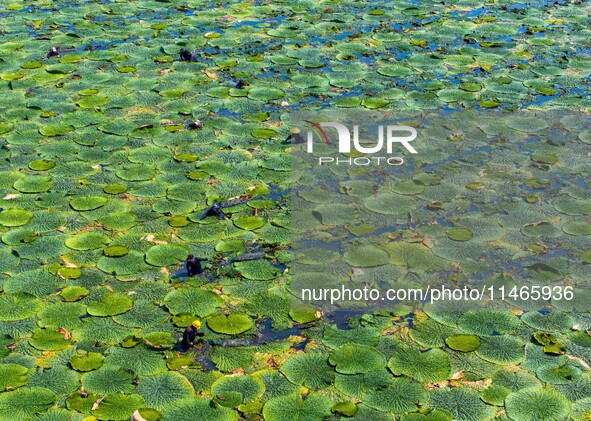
<point x="535" y="403"/>
<point x="430" y="366"/>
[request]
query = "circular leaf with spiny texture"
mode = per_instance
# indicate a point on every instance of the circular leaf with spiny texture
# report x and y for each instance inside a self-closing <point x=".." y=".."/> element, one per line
<point x="431" y="366"/>
<point x="195" y="301"/>
<point x="118" y="407"/>
<point x="488" y="322"/>
<point x="293" y="407"/>
<point x="87" y="361"/>
<point x="463" y="343"/>
<point x="166" y="254"/>
<point x="15" y="217"/>
<point x="18" y="306"/>
<point x="125" y="265"/>
<point x="192" y="409"/>
<point x="87" y="241"/>
<point x="537" y="403"/>
<point x="86" y="203"/>
<point x="13" y="376"/>
<point x="248" y="388"/>
<point x="366" y="256"/>
<point x="402" y="395"/>
<point x="231" y="324"/>
<point x="48" y="340"/>
<point x="311" y="370"/>
<point x="25" y="403"/>
<point x="356" y="359"/>
<point x="110" y="304"/>
<point x="108" y="379"/>
<point x="163" y="390"/>
<point x="465" y="404"/>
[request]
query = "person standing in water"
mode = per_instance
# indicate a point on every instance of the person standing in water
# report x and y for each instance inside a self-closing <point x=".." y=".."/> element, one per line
<point x="190" y="334"/>
<point x="193" y="265"/>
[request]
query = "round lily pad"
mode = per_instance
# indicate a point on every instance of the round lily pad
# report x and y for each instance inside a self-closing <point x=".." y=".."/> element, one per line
<point x="232" y="324"/>
<point x="83" y="361"/>
<point x="116" y="188"/>
<point x="15" y="217"/>
<point x="166" y="254"/>
<point x="86" y="203"/>
<point x="536" y="403"/>
<point x="115" y="251"/>
<point x="110" y="304"/>
<point x="459" y="234"/>
<point x="42" y="164"/>
<point x="265" y="93"/>
<point x="13" y="376"/>
<point x="87" y="241"/>
<point x="431" y="366"/>
<point x="366" y="256"/>
<point x="356" y="359"/>
<point x="463" y="343"/>
<point x="249" y="222"/>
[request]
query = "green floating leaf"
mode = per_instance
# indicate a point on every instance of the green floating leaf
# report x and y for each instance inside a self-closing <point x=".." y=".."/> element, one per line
<point x="231" y="391"/>
<point x="160" y="340"/>
<point x="87" y="361"/>
<point x="459" y="234"/>
<point x="502" y="349"/>
<point x="25" y="403"/>
<point x="463" y="343"/>
<point x="536" y="403"/>
<point x="249" y="223"/>
<point x="311" y="370"/>
<point x="264" y="133"/>
<point x="48" y="340"/>
<point x="74" y="293"/>
<point x="87" y="241"/>
<point x="126" y="265"/>
<point x="232" y="324"/>
<point x="56" y="129"/>
<point x="115" y="251"/>
<point x="110" y="304"/>
<point x="186" y="157"/>
<point x="86" y="203"/>
<point x="18" y="306"/>
<point x="464" y="404"/>
<point x="265" y="93"/>
<point x="194" y="301"/>
<point x="431" y="366"/>
<point x="356" y="359"/>
<point x="118" y="407"/>
<point x="293" y="407"/>
<point x="33" y="184"/>
<point x="348" y="409"/>
<point x="163" y="390"/>
<point x="258" y="270"/>
<point x="108" y="379"/>
<point x="303" y="313"/>
<point x="366" y="256"/>
<point x="166" y="254"/>
<point x="42" y="164"/>
<point x="402" y="395"/>
<point x="488" y="322"/>
<point x="13" y="376"/>
<point x="116" y="188"/>
<point x="15" y="217"/>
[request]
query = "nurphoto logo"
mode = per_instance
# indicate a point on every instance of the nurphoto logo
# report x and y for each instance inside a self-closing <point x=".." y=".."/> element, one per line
<point x="388" y="135"/>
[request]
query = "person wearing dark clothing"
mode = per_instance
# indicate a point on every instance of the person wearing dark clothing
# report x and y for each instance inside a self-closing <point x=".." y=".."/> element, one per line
<point x="190" y="334"/>
<point x="186" y="55"/>
<point x="193" y="265"/>
<point x="53" y="52"/>
<point x="215" y="210"/>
